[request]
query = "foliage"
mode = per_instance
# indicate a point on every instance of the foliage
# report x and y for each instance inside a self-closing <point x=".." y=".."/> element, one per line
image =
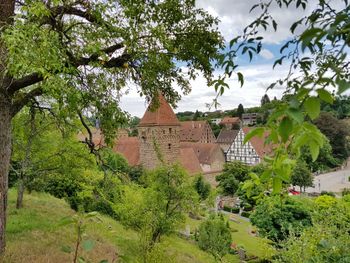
<point x="233" y="173"/>
<point x="240" y="110"/>
<point x="318" y="59"/>
<point x="301" y="175"/>
<point x="202" y="187"/>
<point x="159" y="207"/>
<point x="276" y="218"/>
<point x="336" y="132"/>
<point x="264" y="100"/>
<point x="327" y="240"/>
<point x="80" y="224"/>
<point x="214" y="236"/>
<point x="324" y="160"/>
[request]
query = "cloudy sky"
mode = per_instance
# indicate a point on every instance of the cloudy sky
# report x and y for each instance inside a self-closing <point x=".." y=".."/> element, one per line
<point x="234" y="16"/>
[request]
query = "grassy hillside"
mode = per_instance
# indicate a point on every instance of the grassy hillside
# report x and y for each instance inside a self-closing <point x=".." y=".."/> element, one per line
<point x="34" y="235"/>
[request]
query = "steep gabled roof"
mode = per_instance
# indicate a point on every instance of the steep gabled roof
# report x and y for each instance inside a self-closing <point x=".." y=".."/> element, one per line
<point x="192" y="131"/>
<point x="205" y="151"/>
<point x="189" y="161"/>
<point x="259" y="143"/>
<point x="162" y="115"/>
<point x="227" y="136"/>
<point x="129" y="147"/>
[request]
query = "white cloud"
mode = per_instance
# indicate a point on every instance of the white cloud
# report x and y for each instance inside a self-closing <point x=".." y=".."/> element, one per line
<point x="265" y="53"/>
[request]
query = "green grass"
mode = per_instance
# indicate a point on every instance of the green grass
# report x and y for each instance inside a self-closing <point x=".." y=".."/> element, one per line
<point x="34" y="235"/>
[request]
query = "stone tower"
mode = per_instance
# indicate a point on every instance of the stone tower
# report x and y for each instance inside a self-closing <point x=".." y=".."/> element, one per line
<point x="159" y="135"/>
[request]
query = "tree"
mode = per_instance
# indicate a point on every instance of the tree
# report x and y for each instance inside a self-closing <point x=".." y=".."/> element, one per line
<point x="240" y="111"/>
<point x="82" y="54"/>
<point x="336" y="131"/>
<point x="301" y="176"/>
<point x="277" y="218"/>
<point x="214" y="236"/>
<point x="326" y="241"/>
<point x="196" y="115"/>
<point x="232" y="174"/>
<point x="202" y="187"/>
<point x="311" y="53"/>
<point x="157" y="208"/>
<point x="42" y="147"/>
<point x="264" y="100"/>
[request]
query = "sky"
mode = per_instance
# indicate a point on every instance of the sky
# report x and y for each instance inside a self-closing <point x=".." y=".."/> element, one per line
<point x="234" y="16"/>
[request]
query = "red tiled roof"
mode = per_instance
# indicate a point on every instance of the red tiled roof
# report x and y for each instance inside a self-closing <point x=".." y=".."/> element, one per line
<point x="162" y="115"/>
<point x="204" y="151"/>
<point x="230" y="120"/>
<point x="259" y="143"/>
<point x="129" y="147"/>
<point x="189" y="161"/>
<point x="192" y="131"/>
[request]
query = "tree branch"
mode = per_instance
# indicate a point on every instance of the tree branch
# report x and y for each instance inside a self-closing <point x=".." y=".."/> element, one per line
<point x="23" y="82"/>
<point x="20" y="103"/>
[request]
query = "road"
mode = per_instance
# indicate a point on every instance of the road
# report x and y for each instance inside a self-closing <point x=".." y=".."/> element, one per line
<point x="332" y="181"/>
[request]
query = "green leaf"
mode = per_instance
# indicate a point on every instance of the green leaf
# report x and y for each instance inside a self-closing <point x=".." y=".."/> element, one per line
<point x="255" y="132"/>
<point x="240" y="78"/>
<point x="343" y="86"/>
<point x="312" y="106"/>
<point x="66" y="249"/>
<point x="314" y="150"/>
<point x="276" y="185"/>
<point x="274" y="24"/>
<point x="325" y="95"/>
<point x="88" y="245"/>
<point x="296" y="114"/>
<point x="285" y="128"/>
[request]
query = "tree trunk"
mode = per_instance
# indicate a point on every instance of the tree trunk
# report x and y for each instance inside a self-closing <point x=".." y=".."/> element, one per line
<point x="6" y="12"/>
<point x="20" y="192"/>
<point x="5" y="153"/>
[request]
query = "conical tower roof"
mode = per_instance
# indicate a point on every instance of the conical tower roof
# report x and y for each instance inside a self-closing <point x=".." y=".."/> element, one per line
<point x="163" y="115"/>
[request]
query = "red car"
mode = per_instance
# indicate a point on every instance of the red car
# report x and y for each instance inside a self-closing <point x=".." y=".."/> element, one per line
<point x="293" y="192"/>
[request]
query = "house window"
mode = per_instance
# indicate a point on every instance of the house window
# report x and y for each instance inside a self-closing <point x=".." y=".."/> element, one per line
<point x="163" y="131"/>
<point x="169" y="146"/>
<point x="170" y="130"/>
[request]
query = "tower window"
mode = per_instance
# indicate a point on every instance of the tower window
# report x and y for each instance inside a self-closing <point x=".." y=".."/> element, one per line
<point x="169" y="146"/>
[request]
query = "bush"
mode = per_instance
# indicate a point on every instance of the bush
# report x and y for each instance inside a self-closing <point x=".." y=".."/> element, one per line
<point x="203" y="188"/>
<point x="214" y="236"/>
<point x="227" y="208"/>
<point x="345" y="191"/>
<point x="328" y="193"/>
<point x="277" y="217"/>
<point x="235" y="210"/>
<point x="247" y="207"/>
<point x="245" y="214"/>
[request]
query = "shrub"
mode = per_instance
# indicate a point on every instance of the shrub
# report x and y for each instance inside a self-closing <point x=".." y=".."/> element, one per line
<point x="214" y="236"/>
<point x="235" y="210"/>
<point x="328" y="193"/>
<point x="227" y="208"/>
<point x="277" y="217"/>
<point x="245" y="214"/>
<point x="203" y="188"/>
<point x="345" y="191"/>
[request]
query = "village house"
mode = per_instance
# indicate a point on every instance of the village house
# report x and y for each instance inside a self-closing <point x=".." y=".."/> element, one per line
<point x="249" y="118"/>
<point x="196" y="131"/>
<point x="250" y="153"/>
<point x="231" y="123"/>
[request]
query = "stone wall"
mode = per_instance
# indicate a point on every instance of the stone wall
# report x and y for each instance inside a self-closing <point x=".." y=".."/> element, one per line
<point x="157" y="144"/>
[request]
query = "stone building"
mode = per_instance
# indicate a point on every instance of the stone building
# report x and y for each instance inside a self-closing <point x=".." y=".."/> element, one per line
<point x="196" y="131"/>
<point x="159" y="138"/>
<point x="159" y="135"/>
